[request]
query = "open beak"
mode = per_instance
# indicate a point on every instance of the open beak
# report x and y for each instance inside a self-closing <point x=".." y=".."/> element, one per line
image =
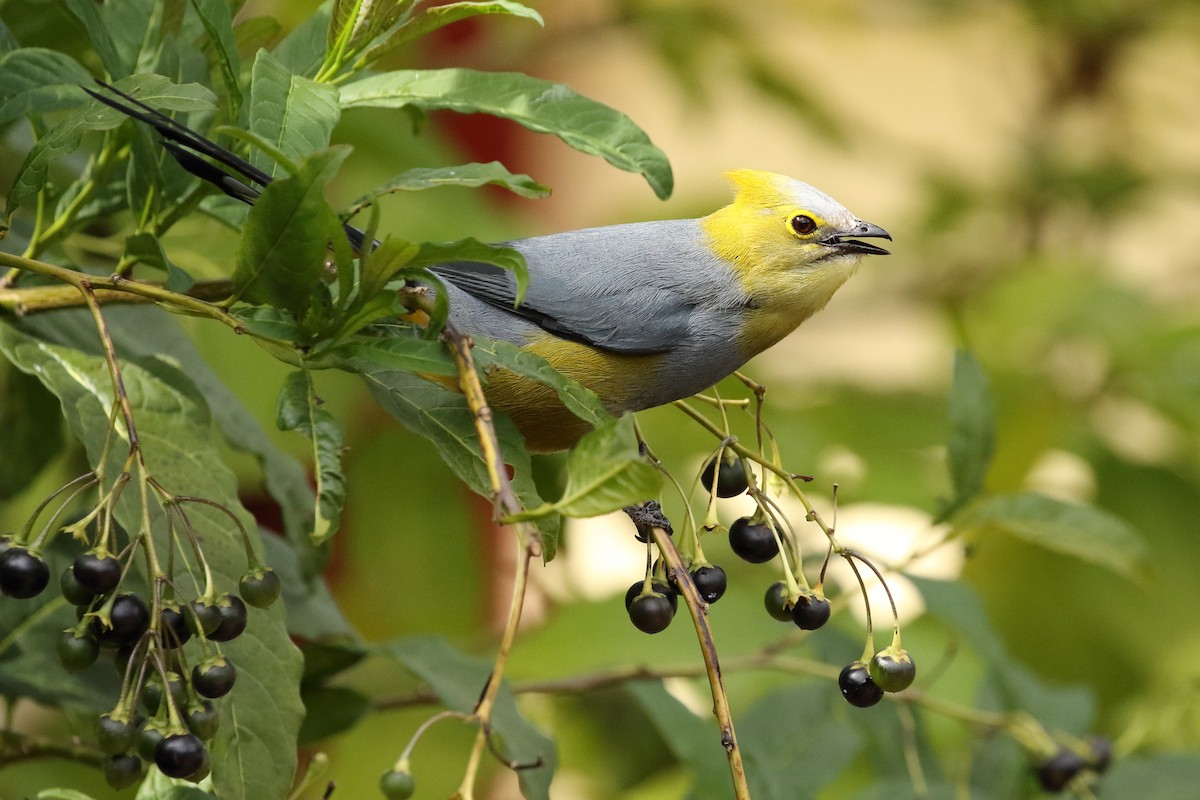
<point x="844" y="242"/>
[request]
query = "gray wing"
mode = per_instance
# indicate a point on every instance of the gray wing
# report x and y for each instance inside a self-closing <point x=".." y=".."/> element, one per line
<point x="626" y="288"/>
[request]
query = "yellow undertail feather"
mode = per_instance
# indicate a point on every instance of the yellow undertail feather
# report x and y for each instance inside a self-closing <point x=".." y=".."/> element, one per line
<point x="535" y="407"/>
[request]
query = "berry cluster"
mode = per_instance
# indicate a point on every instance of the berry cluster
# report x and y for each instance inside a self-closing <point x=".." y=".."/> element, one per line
<point x="166" y="711"/>
<point x="1068" y="764"/>
<point x="758" y="539"/>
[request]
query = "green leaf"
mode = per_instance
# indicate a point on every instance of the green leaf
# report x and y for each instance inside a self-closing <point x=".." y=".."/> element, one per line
<point x="282" y="254"/>
<point x="381" y="264"/>
<point x="217" y="18"/>
<point x="300" y="410"/>
<point x="457" y="679"/>
<point x="293" y="113"/>
<point x="30" y="431"/>
<point x="62" y="794"/>
<point x="430" y="19"/>
<point x="153" y="90"/>
<point x="579" y="400"/>
<point x="972" y="431"/>
<point x="312" y="613"/>
<point x="420" y="356"/>
<point x="303" y="49"/>
<point x="442" y="417"/>
<point x="157" y="786"/>
<point x="1084" y="532"/>
<point x="606" y="471"/>
<point x="331" y="710"/>
<point x="539" y="105"/>
<point x="469" y="175"/>
<point x="54" y="145"/>
<point x="1157" y="777"/>
<point x="694" y="741"/>
<point x="255" y="752"/>
<point x="34" y="80"/>
<point x="792" y="739"/>
<point x="88" y="14"/>
<point x="141" y="332"/>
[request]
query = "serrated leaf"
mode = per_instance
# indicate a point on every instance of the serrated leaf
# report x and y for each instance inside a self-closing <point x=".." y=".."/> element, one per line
<point x="579" y="400"/>
<point x="217" y="18"/>
<point x="606" y="471"/>
<point x="254" y="755"/>
<point x="30" y="431"/>
<point x="457" y="679"/>
<point x="411" y="354"/>
<point x="293" y="113"/>
<point x="539" y="105"/>
<point x="468" y="175"/>
<point x="1084" y="532"/>
<point x="972" y="431"/>
<point x="432" y="18"/>
<point x="300" y="410"/>
<point x="281" y="258"/>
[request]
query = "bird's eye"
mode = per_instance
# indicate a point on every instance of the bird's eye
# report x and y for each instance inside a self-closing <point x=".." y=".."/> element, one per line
<point x="803" y="224"/>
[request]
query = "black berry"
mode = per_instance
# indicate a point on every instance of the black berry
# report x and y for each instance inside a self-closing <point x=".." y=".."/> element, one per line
<point x="233" y="619"/>
<point x="657" y="586"/>
<point x="1102" y="753"/>
<point x="77" y="651"/>
<point x="213" y="677"/>
<point x="152" y="693"/>
<point x="857" y="686"/>
<point x="260" y="588"/>
<point x="173" y="629"/>
<point x="776" y="602"/>
<point x="892" y="670"/>
<point x="710" y="583"/>
<point x="1057" y="771"/>
<point x="22" y="574"/>
<point x="129" y="617"/>
<point x="752" y="541"/>
<point x="810" y="612"/>
<point x="730" y="479"/>
<point x="98" y="572"/>
<point x="651" y="613"/>
<point x="123" y="770"/>
<point x="179" y="755"/>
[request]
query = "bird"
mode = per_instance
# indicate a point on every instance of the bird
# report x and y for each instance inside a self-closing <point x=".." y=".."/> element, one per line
<point x="641" y="313"/>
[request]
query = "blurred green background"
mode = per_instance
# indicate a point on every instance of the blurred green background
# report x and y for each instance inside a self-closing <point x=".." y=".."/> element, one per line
<point x="1038" y="164"/>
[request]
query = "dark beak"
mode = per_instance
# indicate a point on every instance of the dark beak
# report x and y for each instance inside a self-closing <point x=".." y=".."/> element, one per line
<point x="843" y="243"/>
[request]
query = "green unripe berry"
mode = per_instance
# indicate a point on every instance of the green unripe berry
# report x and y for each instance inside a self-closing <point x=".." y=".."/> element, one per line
<point x="892" y="670"/>
<point x="397" y="784"/>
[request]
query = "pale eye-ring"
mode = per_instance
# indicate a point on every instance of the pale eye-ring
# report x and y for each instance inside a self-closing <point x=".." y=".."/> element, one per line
<point x="803" y="224"/>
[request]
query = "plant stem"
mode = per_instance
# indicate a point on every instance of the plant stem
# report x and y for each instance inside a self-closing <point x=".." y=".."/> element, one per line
<point x="712" y="667"/>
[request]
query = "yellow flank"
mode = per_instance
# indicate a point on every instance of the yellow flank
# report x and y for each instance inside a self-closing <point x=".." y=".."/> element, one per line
<point x="535" y="407"/>
<point x="753" y="234"/>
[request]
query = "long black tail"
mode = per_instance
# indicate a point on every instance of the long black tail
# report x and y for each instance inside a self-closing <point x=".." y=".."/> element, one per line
<point x="181" y="141"/>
